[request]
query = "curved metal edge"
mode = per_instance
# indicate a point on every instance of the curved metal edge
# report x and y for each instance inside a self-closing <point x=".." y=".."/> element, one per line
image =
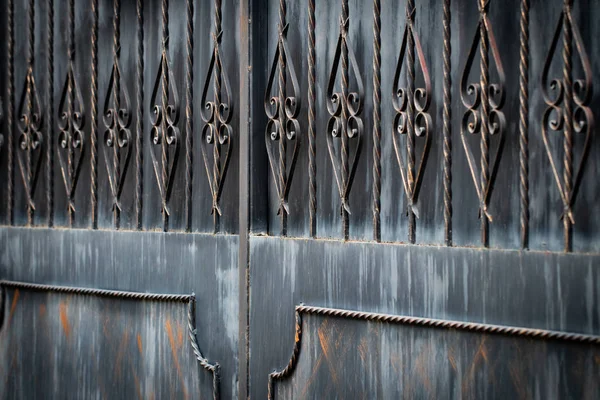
<point x="180" y="298"/>
<point x="506" y="330"/>
<point x="287" y="371"/>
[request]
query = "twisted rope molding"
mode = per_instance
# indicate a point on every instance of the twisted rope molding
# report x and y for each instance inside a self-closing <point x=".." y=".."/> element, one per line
<point x="540" y="334"/>
<point x="190" y="299"/>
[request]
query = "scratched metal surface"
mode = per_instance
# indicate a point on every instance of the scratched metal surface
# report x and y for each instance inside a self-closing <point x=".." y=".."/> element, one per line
<point x="181" y="263"/>
<point x="343" y="358"/>
<point x="524" y="289"/>
<point x="97" y="348"/>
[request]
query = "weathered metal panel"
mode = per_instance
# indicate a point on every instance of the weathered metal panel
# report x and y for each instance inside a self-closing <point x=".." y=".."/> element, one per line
<point x="151" y="262"/>
<point x="523" y="289"/>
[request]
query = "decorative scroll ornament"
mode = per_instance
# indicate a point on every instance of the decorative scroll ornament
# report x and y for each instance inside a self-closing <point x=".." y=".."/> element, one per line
<point x="345" y="123"/>
<point x="30" y="139"/>
<point x="561" y="116"/>
<point x="283" y="127"/>
<point x="71" y="120"/>
<point x="217" y="132"/>
<point x="117" y="136"/>
<point x="409" y="122"/>
<point x="165" y="134"/>
<point x="484" y="102"/>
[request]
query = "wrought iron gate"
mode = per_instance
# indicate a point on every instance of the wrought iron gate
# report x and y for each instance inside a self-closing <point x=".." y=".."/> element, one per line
<point x="299" y="199"/>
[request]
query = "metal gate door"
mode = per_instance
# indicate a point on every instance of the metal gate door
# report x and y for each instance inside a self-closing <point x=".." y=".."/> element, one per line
<point x="299" y="199"/>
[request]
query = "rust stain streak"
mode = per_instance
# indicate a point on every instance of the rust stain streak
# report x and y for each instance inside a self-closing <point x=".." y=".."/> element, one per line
<point x="452" y="359"/>
<point x="139" y="343"/>
<point x="422" y="369"/>
<point x="324" y="341"/>
<point x="479" y="355"/>
<point x="13" y="305"/>
<point x="516" y="375"/>
<point x="179" y="335"/>
<point x="363" y="350"/>
<point x="172" y="343"/>
<point x="120" y="351"/>
<point x="136" y="379"/>
<point x="64" y="319"/>
<point x="42" y="310"/>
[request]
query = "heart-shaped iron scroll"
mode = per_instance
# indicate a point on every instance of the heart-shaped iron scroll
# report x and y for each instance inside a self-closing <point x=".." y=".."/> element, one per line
<point x="407" y="121"/>
<point x="30" y="139"/>
<point x="283" y="127"/>
<point x="217" y="132"/>
<point x="71" y="120"/>
<point x="471" y="96"/>
<point x="165" y="134"/>
<point x="117" y="136"/>
<point x="555" y="117"/>
<point x="345" y="122"/>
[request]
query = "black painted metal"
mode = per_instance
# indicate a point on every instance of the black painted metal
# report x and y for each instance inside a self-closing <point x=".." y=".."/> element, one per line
<point x="475" y="147"/>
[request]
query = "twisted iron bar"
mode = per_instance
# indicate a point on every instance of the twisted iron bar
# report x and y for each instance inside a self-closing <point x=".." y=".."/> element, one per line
<point x="536" y="334"/>
<point x="376" y="120"/>
<point x="49" y="114"/>
<point x="568" y="111"/>
<point x="312" y="111"/>
<point x="447" y="122"/>
<point x="213" y="368"/>
<point x="10" y="89"/>
<point x="30" y="123"/>
<point x="94" y="112"/>
<point x="524" y="123"/>
<point x="71" y="115"/>
<point x="217" y="131"/>
<point x="412" y="117"/>
<point x="345" y="123"/>
<point x="164" y="117"/>
<point x="117" y="119"/>
<point x="483" y="101"/>
<point x="283" y="127"/>
<point x="139" y="137"/>
<point x="189" y="114"/>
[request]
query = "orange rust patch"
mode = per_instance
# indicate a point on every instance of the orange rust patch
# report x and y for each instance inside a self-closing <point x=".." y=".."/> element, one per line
<point x="452" y="359"/>
<point x="169" y="328"/>
<point x="179" y="336"/>
<point x="13" y="305"/>
<point x="64" y="319"/>
<point x="42" y="310"/>
<point x="363" y="350"/>
<point x="120" y="352"/>
<point x="139" y="343"/>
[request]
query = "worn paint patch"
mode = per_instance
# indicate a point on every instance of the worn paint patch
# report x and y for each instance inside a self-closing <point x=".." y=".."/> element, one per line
<point x="64" y="319"/>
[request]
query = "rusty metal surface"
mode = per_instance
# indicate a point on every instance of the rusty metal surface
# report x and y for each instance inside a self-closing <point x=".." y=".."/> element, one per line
<point x="202" y="264"/>
<point x="523" y="289"/>
<point x="360" y="356"/>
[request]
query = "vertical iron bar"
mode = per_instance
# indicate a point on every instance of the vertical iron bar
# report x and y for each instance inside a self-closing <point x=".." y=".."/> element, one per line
<point x="447" y="124"/>
<point x="30" y="111"/>
<point x="94" y="117"/>
<point x="376" y="119"/>
<point x="282" y="139"/>
<point x="189" y="114"/>
<point x="71" y="99"/>
<point x="10" y="88"/>
<point x="165" y="105"/>
<point x="345" y="83"/>
<point x="139" y="150"/>
<point x="116" y="91"/>
<point x="568" y="118"/>
<point x="524" y="123"/>
<point x="49" y="115"/>
<point x="410" y="134"/>
<point x="312" y="109"/>
<point x="217" y="91"/>
<point x="485" y="140"/>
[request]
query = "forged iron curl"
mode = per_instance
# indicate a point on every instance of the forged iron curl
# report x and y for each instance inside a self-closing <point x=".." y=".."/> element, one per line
<point x="217" y="115"/>
<point x="412" y="118"/>
<point x="483" y="101"/>
<point x="164" y="116"/>
<point x="568" y="112"/>
<point x="345" y="123"/>
<point x="282" y="110"/>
